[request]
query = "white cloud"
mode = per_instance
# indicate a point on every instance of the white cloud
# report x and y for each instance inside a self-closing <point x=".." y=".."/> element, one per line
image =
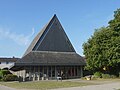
<point x="20" y="39"/>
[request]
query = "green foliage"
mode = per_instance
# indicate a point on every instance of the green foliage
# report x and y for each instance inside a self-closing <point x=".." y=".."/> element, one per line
<point x="3" y="73"/>
<point x="0" y="78"/>
<point x="106" y="76"/>
<point x="10" y="77"/>
<point x="83" y="78"/>
<point x="113" y="76"/>
<point x="97" y="74"/>
<point x="103" y="48"/>
<point x="115" y="23"/>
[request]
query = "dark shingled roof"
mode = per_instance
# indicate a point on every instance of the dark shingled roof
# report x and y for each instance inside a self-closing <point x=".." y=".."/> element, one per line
<point x="50" y="58"/>
<point x="51" y="38"/>
<point x="8" y="59"/>
<point x="35" y="40"/>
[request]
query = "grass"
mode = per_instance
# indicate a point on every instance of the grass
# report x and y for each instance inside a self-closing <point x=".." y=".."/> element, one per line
<point x="43" y="85"/>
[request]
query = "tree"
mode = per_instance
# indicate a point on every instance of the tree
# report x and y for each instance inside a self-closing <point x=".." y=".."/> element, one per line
<point x="102" y="50"/>
<point x="115" y="23"/>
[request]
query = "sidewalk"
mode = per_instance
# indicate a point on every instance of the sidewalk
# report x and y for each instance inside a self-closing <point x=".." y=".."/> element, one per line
<point x="109" y="86"/>
<point x="6" y="88"/>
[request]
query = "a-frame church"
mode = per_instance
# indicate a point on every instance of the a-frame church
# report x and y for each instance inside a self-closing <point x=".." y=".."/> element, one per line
<point x="50" y="55"/>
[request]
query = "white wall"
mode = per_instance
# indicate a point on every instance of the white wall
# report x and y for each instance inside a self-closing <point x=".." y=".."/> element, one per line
<point x="6" y="65"/>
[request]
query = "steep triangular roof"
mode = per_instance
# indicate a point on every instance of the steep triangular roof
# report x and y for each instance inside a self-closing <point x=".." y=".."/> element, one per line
<point x="51" y="38"/>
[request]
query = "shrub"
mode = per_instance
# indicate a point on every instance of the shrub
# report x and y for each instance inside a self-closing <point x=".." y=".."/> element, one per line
<point x="1" y="74"/>
<point x="0" y="77"/>
<point x="94" y="78"/>
<point x="119" y="75"/>
<point x="4" y="72"/>
<point x="83" y="78"/>
<point x="97" y="74"/>
<point x="113" y="76"/>
<point x="10" y="77"/>
<point x="105" y="76"/>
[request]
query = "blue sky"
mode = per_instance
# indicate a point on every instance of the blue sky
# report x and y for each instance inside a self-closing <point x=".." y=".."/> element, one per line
<point x="21" y="20"/>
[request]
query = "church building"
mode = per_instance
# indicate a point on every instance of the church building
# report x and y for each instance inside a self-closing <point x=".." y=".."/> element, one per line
<point x="50" y="55"/>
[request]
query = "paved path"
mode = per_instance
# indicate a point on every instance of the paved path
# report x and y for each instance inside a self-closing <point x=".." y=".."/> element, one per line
<point x="6" y="88"/>
<point x="109" y="86"/>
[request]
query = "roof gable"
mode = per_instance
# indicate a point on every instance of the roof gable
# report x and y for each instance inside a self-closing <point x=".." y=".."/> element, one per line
<point x="51" y="38"/>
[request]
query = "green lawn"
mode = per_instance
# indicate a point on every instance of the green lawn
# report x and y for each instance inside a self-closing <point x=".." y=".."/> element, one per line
<point x="43" y="85"/>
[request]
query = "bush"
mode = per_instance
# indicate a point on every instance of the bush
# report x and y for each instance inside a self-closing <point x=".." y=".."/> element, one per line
<point x="97" y="74"/>
<point x="10" y="77"/>
<point x="4" y="72"/>
<point x="113" y="76"/>
<point x="119" y="75"/>
<point x="1" y="74"/>
<point x="0" y="77"/>
<point x="106" y="76"/>
<point x="94" y="78"/>
<point x="83" y="78"/>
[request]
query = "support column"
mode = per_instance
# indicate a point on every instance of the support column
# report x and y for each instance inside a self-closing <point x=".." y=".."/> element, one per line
<point x="55" y="72"/>
<point x="74" y="71"/>
<point x="43" y="73"/>
<point x="78" y="71"/>
<point x="24" y="75"/>
<point x="51" y="72"/>
<point x="33" y="76"/>
<point x="33" y="73"/>
<point x="71" y="74"/>
<point x="38" y="74"/>
<point x="43" y="70"/>
<point x="81" y="71"/>
<point x="47" y="72"/>
<point x="29" y="75"/>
